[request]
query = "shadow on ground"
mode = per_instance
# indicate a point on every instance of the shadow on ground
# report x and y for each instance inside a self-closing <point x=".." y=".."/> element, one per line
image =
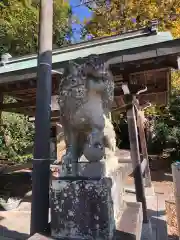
<point x="173" y="237"/>
<point x="160" y="176"/>
<point x="6" y="233"/>
<point x="159" y="225"/>
<point x="15" y="184"/>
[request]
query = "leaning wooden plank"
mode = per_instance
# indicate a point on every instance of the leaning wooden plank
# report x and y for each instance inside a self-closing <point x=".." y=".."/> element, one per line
<point x="8" y="169"/>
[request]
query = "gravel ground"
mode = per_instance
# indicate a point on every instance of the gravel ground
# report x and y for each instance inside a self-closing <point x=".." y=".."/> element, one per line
<point x="163" y="184"/>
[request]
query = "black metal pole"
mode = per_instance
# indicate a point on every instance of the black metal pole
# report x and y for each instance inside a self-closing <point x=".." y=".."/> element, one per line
<point x="41" y="162"/>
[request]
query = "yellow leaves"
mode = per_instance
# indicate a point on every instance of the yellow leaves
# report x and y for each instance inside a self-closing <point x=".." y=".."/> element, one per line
<point x="115" y="19"/>
<point x="175" y="80"/>
<point x="27" y="3"/>
<point x="175" y="29"/>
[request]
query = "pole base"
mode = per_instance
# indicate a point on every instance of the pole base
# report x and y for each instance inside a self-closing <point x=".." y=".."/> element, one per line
<point x="147" y="233"/>
<point x="149" y="192"/>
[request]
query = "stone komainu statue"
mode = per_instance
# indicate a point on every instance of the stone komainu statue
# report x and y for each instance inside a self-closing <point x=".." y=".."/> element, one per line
<point x="86" y="93"/>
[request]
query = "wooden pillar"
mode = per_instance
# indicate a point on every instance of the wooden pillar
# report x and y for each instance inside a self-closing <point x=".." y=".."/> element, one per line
<point x="134" y="146"/>
<point x="140" y="122"/>
<point x="136" y="162"/>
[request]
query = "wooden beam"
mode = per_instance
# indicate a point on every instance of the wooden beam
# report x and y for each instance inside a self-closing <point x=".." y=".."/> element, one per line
<point x="28" y="104"/>
<point x="18" y="78"/>
<point x="134" y="147"/>
<point x="159" y="98"/>
<point x="17" y="105"/>
<point x="54" y="119"/>
<point x="28" y="107"/>
<point x="135" y="156"/>
<point x="146" y="65"/>
<point x="22" y="87"/>
<point x="140" y="124"/>
<point x="151" y="89"/>
<point x="9" y="169"/>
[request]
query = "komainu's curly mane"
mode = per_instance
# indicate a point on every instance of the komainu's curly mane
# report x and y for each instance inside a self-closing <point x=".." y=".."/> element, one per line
<point x="73" y="89"/>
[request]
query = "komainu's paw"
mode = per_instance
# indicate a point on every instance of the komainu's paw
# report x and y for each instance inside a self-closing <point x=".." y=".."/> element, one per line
<point x="56" y="162"/>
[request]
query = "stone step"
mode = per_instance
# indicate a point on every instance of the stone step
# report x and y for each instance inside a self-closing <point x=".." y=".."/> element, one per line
<point x="129" y="226"/>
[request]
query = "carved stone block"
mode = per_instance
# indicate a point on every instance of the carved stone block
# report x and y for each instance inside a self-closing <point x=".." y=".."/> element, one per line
<point x="82" y="209"/>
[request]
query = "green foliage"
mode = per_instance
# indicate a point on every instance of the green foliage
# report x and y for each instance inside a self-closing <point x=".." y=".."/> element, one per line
<point x="16" y="137"/>
<point x="19" y="22"/>
<point x="167" y="128"/>
<point x="161" y="133"/>
<point x="19" y="25"/>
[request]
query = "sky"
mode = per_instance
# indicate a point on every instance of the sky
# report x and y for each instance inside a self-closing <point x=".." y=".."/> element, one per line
<point x="81" y="12"/>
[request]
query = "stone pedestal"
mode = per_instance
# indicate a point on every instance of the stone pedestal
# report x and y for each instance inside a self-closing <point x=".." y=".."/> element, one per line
<point x="91" y="206"/>
<point x="82" y="209"/>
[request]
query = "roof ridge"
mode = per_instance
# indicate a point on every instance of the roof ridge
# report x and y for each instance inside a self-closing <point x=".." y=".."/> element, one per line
<point x="119" y="37"/>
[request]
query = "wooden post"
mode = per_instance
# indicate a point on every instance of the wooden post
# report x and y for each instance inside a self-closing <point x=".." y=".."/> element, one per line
<point x="135" y="156"/>
<point x="134" y="146"/>
<point x="176" y="181"/>
<point x="140" y="123"/>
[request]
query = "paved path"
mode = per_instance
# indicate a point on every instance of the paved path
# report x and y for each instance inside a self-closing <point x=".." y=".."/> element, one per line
<point x="15" y="224"/>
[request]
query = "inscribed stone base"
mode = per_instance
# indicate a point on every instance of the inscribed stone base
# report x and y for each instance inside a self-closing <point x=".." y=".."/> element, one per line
<point x="82" y="209"/>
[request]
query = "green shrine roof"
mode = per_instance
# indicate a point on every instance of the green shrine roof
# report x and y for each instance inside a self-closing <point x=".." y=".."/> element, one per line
<point x="109" y="45"/>
<point x="145" y="55"/>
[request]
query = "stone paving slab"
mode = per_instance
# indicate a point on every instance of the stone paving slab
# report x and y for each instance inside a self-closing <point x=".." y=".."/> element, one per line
<point x="156" y="211"/>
